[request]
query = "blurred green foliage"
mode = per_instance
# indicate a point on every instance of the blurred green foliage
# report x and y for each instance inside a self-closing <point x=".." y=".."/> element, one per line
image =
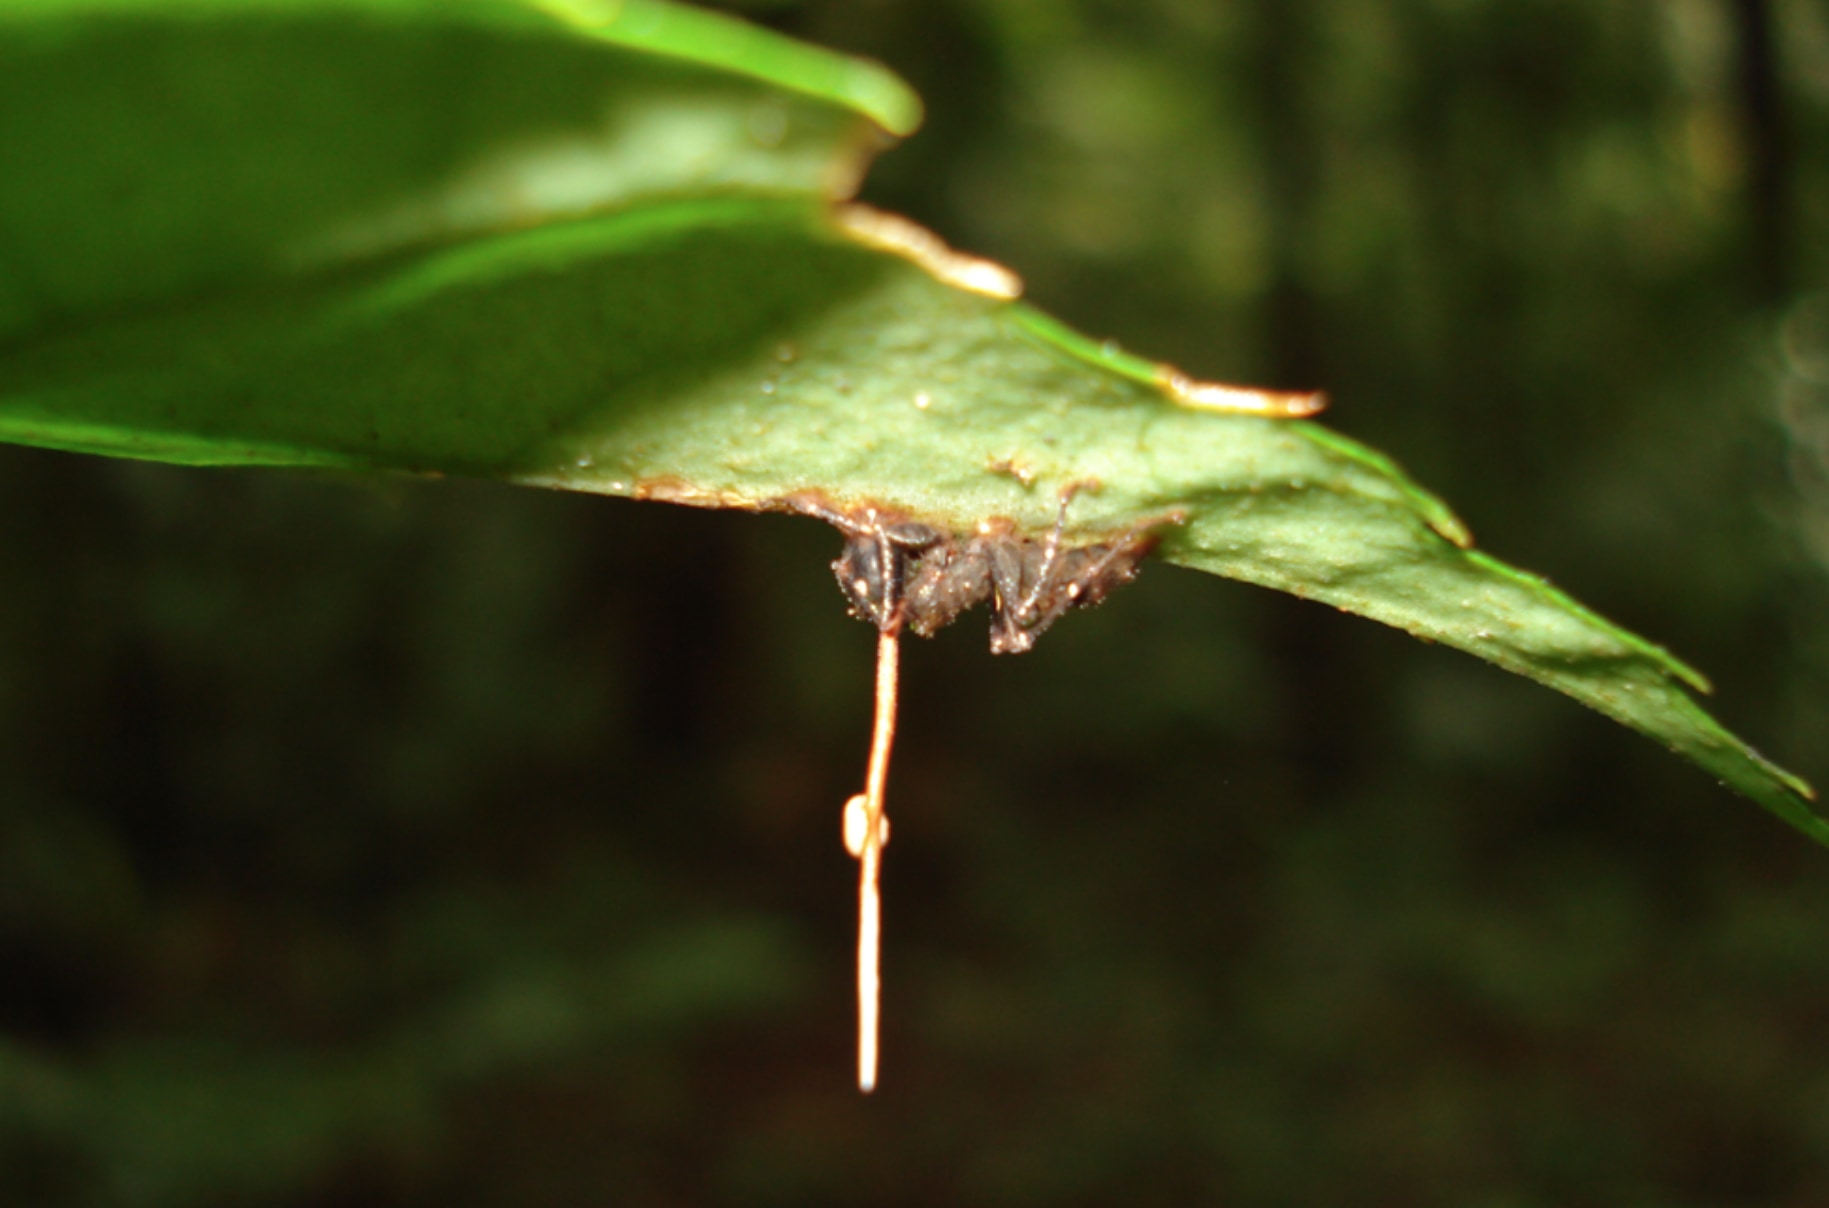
<point x="454" y="844"/>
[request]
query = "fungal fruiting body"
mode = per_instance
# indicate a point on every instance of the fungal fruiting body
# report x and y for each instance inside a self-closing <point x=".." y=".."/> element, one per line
<point x="899" y="574"/>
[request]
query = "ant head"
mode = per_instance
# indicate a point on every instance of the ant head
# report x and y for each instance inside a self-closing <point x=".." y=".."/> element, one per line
<point x="862" y="572"/>
<point x="874" y="566"/>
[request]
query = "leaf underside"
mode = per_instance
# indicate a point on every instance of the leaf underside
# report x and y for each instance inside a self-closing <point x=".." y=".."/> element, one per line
<point x="716" y="339"/>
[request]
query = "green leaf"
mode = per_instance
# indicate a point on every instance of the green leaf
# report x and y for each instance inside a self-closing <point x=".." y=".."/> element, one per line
<point x="154" y="148"/>
<point x="727" y="339"/>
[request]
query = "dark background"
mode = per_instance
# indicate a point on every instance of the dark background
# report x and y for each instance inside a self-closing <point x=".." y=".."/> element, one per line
<point x="452" y="844"/>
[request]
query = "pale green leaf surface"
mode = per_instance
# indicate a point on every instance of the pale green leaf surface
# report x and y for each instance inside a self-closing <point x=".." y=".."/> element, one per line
<point x="736" y="352"/>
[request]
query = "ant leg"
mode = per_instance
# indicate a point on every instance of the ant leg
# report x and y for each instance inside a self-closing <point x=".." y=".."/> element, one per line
<point x="1014" y="628"/>
<point x="1007" y="633"/>
<point x="892" y="566"/>
<point x="818" y="509"/>
<point x="1051" y="551"/>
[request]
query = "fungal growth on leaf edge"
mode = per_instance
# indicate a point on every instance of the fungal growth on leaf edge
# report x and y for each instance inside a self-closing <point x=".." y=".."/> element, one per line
<point x="898" y="573"/>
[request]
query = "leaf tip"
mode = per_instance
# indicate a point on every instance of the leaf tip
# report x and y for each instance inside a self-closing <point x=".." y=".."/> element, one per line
<point x="1797" y="784"/>
<point x="1449" y="526"/>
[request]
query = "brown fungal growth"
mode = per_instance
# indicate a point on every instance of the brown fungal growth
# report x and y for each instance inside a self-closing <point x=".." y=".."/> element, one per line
<point x="671" y="488"/>
<point x="900" y="573"/>
<point x="1015" y="467"/>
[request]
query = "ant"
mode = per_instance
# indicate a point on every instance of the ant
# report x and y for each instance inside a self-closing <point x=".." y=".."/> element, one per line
<point x="899" y="573"/>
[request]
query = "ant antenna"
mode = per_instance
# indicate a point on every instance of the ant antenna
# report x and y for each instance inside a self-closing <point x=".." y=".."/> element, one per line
<point x="866" y="831"/>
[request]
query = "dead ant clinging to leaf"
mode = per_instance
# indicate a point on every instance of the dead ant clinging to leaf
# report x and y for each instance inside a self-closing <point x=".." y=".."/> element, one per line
<point x="901" y="573"/>
<point x="905" y="573"/>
